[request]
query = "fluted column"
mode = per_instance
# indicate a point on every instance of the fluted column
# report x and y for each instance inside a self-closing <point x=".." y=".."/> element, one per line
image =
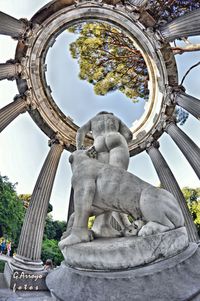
<point x="11" y="111"/>
<point x="189" y="103"/>
<point x="138" y="2"/>
<point x="12" y="27"/>
<point x="9" y="70"/>
<point x="169" y="183"/>
<point x="30" y="242"/>
<point x="183" y="26"/>
<point x="190" y="150"/>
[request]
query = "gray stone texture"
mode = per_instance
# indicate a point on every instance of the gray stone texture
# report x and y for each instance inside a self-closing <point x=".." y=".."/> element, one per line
<point x="190" y="150"/>
<point x="11" y="26"/>
<point x="100" y="188"/>
<point x="125" y="252"/>
<point x="111" y="137"/>
<point x="11" y="111"/>
<point x="169" y="183"/>
<point x="8" y="71"/>
<point x="184" y="26"/>
<point x="174" y="279"/>
<point x="189" y="103"/>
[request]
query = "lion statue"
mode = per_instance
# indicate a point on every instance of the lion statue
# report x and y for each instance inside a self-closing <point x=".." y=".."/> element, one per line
<point x="100" y="188"/>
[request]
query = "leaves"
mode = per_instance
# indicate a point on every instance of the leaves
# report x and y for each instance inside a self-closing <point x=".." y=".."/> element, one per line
<point x="109" y="60"/>
<point x="11" y="210"/>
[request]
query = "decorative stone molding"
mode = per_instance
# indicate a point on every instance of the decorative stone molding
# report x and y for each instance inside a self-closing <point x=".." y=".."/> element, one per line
<point x="158" y="55"/>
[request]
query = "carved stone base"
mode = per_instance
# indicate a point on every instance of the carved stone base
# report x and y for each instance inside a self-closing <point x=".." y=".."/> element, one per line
<point x="176" y="278"/>
<point x="23" y="280"/>
<point x="125" y="252"/>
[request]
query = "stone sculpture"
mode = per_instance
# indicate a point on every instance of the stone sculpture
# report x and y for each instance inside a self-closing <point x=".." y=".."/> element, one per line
<point x="100" y="187"/>
<point x="111" y="138"/>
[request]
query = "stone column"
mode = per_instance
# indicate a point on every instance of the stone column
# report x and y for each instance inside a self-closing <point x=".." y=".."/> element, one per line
<point x="9" y="70"/>
<point x="11" y="111"/>
<point x="184" y="26"/>
<point x="30" y="243"/>
<point x="190" y="150"/>
<point x="169" y="183"/>
<point x="138" y="2"/>
<point x="12" y="27"/>
<point x="189" y="103"/>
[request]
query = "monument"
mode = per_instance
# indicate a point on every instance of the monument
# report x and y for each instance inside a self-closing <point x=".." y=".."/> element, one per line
<point x="150" y="258"/>
<point x="155" y="242"/>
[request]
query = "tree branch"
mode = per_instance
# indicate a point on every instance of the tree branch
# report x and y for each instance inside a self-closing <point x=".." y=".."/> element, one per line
<point x="189" y="72"/>
<point x="187" y="48"/>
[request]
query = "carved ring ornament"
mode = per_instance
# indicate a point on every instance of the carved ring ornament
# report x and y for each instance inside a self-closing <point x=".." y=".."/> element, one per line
<point x="55" y="17"/>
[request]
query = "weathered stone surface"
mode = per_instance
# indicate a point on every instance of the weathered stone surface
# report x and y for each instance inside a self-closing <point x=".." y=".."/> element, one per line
<point x="19" y="280"/>
<point x="100" y="188"/>
<point x="174" y="279"/>
<point x="125" y="252"/>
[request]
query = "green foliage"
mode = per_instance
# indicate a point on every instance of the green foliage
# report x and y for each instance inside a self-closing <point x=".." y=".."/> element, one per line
<point x="53" y="229"/>
<point x="11" y="211"/>
<point x="192" y="197"/>
<point x="51" y="251"/>
<point x="109" y="60"/>
<point x="52" y="233"/>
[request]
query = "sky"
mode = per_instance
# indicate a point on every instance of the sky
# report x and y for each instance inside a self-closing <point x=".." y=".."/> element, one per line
<point x="24" y="147"/>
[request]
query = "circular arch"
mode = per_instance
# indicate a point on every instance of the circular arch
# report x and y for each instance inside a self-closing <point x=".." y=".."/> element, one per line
<point x="47" y="25"/>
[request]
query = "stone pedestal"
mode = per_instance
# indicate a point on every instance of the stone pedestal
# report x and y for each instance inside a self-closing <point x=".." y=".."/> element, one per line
<point x="175" y="278"/>
<point x="20" y="280"/>
<point x="122" y="253"/>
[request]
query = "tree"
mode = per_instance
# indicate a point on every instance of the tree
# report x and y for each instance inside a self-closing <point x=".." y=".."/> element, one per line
<point x="192" y="196"/>
<point x="54" y="229"/>
<point x="51" y="251"/>
<point x="109" y="61"/>
<point x="11" y="211"/>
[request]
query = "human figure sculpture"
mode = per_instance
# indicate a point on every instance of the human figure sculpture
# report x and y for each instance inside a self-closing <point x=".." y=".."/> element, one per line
<point x="100" y="187"/>
<point x="111" y="138"/>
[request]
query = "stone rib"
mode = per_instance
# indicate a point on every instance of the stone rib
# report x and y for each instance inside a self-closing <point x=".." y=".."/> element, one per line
<point x="11" y="111"/>
<point x="183" y="26"/>
<point x="189" y="103"/>
<point x="8" y="71"/>
<point x="190" y="150"/>
<point x="11" y="26"/>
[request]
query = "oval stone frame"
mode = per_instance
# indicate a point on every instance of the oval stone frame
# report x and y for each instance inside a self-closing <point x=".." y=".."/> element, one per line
<point x="48" y="23"/>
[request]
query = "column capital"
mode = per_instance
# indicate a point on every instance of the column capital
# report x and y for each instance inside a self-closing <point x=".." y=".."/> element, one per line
<point x="169" y="122"/>
<point x="56" y="140"/>
<point x="152" y="144"/>
<point x="27" y="30"/>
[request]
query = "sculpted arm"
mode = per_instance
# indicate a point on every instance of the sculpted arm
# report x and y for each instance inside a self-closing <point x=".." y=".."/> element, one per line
<point x="81" y="133"/>
<point x="125" y="131"/>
